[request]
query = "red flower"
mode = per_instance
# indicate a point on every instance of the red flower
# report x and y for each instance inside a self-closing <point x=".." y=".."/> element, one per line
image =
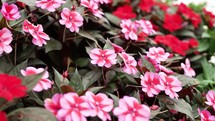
<point x="146" y="5"/>
<point x="10" y="87"/>
<point x="172" y="22"/>
<point x="174" y="43"/>
<point x="209" y="17"/>
<point x="193" y="42"/>
<point x="124" y="12"/>
<point x="189" y="14"/>
<point x="3" y="116"/>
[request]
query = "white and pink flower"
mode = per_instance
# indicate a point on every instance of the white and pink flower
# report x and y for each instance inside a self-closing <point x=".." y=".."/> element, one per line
<point x="44" y="83"/>
<point x="100" y="105"/>
<point x="10" y="12"/>
<point x="39" y="37"/>
<point x="5" y="40"/>
<point x="129" y="29"/>
<point x="73" y="108"/>
<point x="50" y="5"/>
<point x="103" y="1"/>
<point x="131" y="110"/>
<point x="129" y="63"/>
<point x="158" y="54"/>
<point x="93" y="7"/>
<point x="188" y="70"/>
<point x="102" y="58"/>
<point x="53" y="104"/>
<point x="210" y="96"/>
<point x="71" y="19"/>
<point x="206" y="115"/>
<point x="145" y="26"/>
<point x="149" y="83"/>
<point x="170" y="85"/>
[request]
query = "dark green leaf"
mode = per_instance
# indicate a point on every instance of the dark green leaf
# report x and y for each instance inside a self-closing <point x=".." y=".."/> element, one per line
<point x="115" y="99"/>
<point x="53" y="45"/>
<point x="203" y="45"/>
<point x="110" y="75"/>
<point x="29" y="2"/>
<point x="82" y="62"/>
<point x="91" y="77"/>
<point x="185" y="80"/>
<point x="113" y="19"/>
<point x="179" y="105"/>
<point x="208" y="69"/>
<point x="59" y="79"/>
<point x="76" y="82"/>
<point x="16" y="70"/>
<point x="95" y="89"/>
<point x="31" y="80"/>
<point x="31" y="114"/>
<point x="5" y="65"/>
<point x="186" y="33"/>
<point x="147" y="64"/>
<point x="87" y="35"/>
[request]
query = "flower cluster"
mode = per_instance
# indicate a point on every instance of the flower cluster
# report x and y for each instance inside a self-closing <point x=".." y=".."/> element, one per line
<point x="204" y="114"/>
<point x="93" y="6"/>
<point x="131" y="29"/>
<point x="39" y="37"/>
<point x="50" y="5"/>
<point x="70" y="106"/>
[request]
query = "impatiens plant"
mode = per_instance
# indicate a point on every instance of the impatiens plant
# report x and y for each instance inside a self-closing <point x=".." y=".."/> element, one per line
<point x="100" y="60"/>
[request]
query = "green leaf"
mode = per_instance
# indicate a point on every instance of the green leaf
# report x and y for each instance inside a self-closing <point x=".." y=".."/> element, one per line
<point x="113" y="19"/>
<point x="59" y="79"/>
<point x="31" y="80"/>
<point x="186" y="80"/>
<point x="109" y="75"/>
<point x="95" y="89"/>
<point x="16" y="70"/>
<point x="5" y="63"/>
<point x="208" y="69"/>
<point x="29" y="2"/>
<point x="147" y="64"/>
<point x="82" y="62"/>
<point x="136" y="94"/>
<point x="186" y="33"/>
<point x="179" y="105"/>
<point x="115" y="99"/>
<point x="153" y="113"/>
<point x="87" y="35"/>
<point x="91" y="77"/>
<point x="53" y="45"/>
<point x="203" y="45"/>
<point x="31" y="114"/>
<point x="76" y="82"/>
<point x="26" y="53"/>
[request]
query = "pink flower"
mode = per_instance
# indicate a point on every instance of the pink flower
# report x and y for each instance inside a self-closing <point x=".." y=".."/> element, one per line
<point x="50" y="5"/>
<point x="187" y="68"/>
<point x="149" y="83"/>
<point x="28" y="26"/>
<point x="72" y="19"/>
<point x="170" y="85"/>
<point x="165" y="70"/>
<point x="44" y="83"/>
<point x="157" y="54"/>
<point x="130" y="63"/>
<point x="10" y="12"/>
<point x="131" y="110"/>
<point x="74" y="108"/>
<point x="93" y="7"/>
<point x="210" y="96"/>
<point x="100" y="105"/>
<point x="129" y="29"/>
<point x="39" y="37"/>
<point x="206" y="115"/>
<point x="5" y="40"/>
<point x="117" y="48"/>
<point x="105" y="57"/>
<point x="53" y="104"/>
<point x="103" y="1"/>
<point x="146" y="26"/>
